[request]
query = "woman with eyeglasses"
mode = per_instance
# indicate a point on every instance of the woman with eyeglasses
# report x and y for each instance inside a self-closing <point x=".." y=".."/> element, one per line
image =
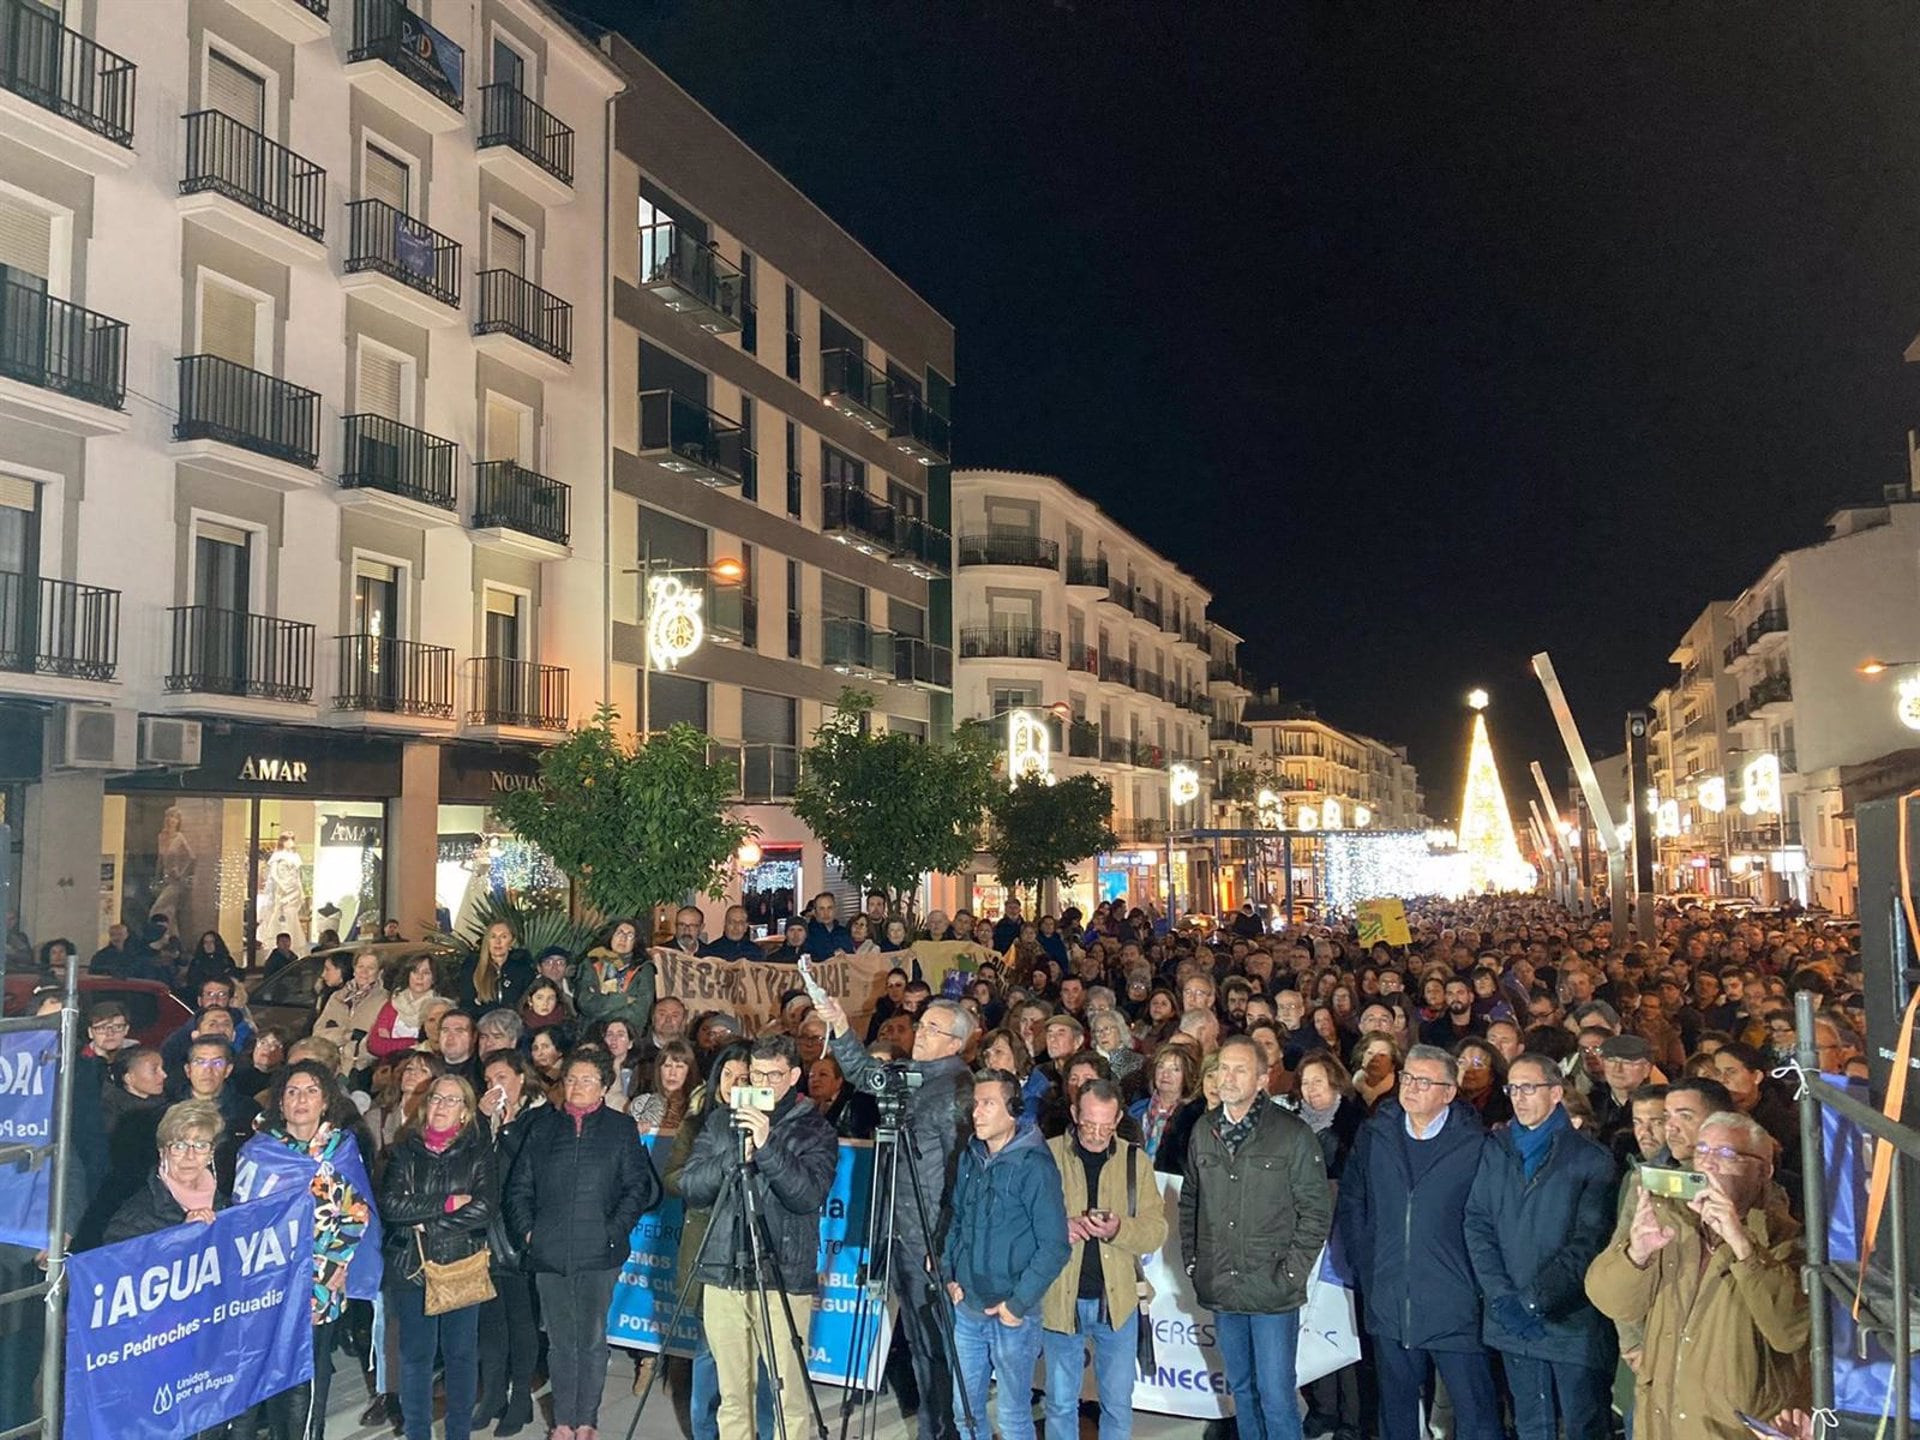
<point x="438" y="1196"/>
<point x="1483" y="1080"/>
<point x="182" y="1188"/>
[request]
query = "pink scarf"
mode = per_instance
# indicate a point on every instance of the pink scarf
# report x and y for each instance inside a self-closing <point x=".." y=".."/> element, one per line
<point x="438" y="1140"/>
<point x="198" y="1196"/>
<point x="579" y="1114"/>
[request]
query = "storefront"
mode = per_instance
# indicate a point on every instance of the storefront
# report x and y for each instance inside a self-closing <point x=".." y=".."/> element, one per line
<point x="22" y="735"/>
<point x="477" y="855"/>
<point x="276" y="830"/>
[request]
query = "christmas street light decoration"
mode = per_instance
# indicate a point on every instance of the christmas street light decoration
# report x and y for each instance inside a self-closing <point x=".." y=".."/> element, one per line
<point x="1486" y="836"/>
<point x="1183" y="784"/>
<point x="1029" y="748"/>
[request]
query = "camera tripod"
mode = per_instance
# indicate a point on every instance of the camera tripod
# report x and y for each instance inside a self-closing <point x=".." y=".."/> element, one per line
<point x="753" y="1244"/>
<point x="893" y="1151"/>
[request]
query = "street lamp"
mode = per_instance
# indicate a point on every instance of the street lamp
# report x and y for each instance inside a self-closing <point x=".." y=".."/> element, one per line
<point x="671" y="627"/>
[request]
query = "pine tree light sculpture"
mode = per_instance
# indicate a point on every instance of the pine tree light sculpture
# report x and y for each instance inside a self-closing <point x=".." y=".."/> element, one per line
<point x="1487" y="844"/>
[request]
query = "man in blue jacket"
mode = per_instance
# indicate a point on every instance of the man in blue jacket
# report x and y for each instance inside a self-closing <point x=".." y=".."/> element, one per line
<point x="1540" y="1209"/>
<point x="1006" y="1242"/>
<point x="1402" y="1215"/>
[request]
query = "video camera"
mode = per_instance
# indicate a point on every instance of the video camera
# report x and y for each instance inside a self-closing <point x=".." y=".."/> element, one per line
<point x="894" y="1082"/>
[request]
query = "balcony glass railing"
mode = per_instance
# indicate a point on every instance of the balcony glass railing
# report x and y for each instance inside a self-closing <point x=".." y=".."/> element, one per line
<point x="920" y="662"/>
<point x="853" y="647"/>
<point x="232" y="652"/>
<point x="916" y="428"/>
<point x="56" y="627"/>
<point x="689" y="439"/>
<point x="1009" y="642"/>
<point x="514" y="120"/>
<point x="855" y="388"/>
<point x="390" y="242"/>
<point x="222" y="401"/>
<point x="1771" y="691"/>
<point x="61" y="70"/>
<point x="518" y="693"/>
<point x="1026" y="550"/>
<point x="691" y="277"/>
<point x="922" y="548"/>
<point x="733" y="616"/>
<point x="394" y="677"/>
<point x="227" y="158"/>
<point x="1767" y="622"/>
<point x="768" y="772"/>
<point x="513" y="305"/>
<point x="387" y="30"/>
<point x="506" y="496"/>
<point x="854" y="515"/>
<point x="382" y="454"/>
<point x="61" y="347"/>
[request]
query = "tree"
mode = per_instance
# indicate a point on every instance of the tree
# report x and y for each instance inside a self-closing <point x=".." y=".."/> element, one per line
<point x="632" y="826"/>
<point x="1041" y="829"/>
<point x="891" y="808"/>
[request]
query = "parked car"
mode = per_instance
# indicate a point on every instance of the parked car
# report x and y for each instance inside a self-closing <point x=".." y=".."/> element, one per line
<point x="153" y="1011"/>
<point x="285" y="999"/>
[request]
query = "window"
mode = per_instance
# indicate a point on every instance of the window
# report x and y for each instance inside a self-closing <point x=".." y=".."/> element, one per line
<point x="767" y="719"/>
<point x="834" y="335"/>
<point x="793" y="469"/>
<point x="906" y="619"/>
<point x="385" y="176"/>
<point x="1014" y="697"/>
<point x="381" y="386"/>
<point x="19" y="547"/>
<point x="26" y="243"/>
<point x="793" y="609"/>
<point x="236" y="92"/>
<point x="508" y="431"/>
<point x="221" y="566"/>
<point x="841" y="598"/>
<point x="506" y="247"/>
<point x="509" y="66"/>
<point x="839" y="468"/>
<point x="793" y="334"/>
<point x="905" y="499"/>
<point x="230" y="324"/>
<point x="502" y="623"/>
<point x="749" y="313"/>
<point x="750" y="452"/>
<point x="376" y="599"/>
<point x="749" y="609"/>
<point x="676" y="700"/>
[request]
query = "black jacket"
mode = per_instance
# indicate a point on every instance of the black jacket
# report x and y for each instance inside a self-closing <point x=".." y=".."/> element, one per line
<point x="509" y="1251"/>
<point x="791" y="1177"/>
<point x="1406" y="1237"/>
<point x="941" y="1118"/>
<point x="576" y="1196"/>
<point x="1171" y="1156"/>
<point x="413" y="1202"/>
<point x="1252" y="1222"/>
<point x="152" y="1207"/>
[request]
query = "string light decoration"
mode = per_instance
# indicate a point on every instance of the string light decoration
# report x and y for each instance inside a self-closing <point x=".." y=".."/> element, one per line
<point x="1358" y="865"/>
<point x="1486" y="826"/>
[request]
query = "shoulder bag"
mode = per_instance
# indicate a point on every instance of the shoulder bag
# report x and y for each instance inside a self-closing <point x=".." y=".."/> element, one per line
<point x="457" y="1284"/>
<point x="1143" y="1292"/>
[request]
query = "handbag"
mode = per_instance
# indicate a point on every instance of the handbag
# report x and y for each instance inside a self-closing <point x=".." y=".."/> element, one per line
<point x="455" y="1284"/>
<point x="1143" y="1330"/>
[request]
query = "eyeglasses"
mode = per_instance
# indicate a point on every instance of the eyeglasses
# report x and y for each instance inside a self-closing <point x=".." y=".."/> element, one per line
<point x="1725" y="1154"/>
<point x="190" y="1147"/>
<point x="1421" y="1082"/>
<point x="433" y="1100"/>
<point x="1526" y="1089"/>
<point x="933" y="1029"/>
<point x="212" y="1062"/>
<point x="1094" y="1127"/>
<point x="109" y="1027"/>
<point x="1473" y="1060"/>
<point x="763" y="1077"/>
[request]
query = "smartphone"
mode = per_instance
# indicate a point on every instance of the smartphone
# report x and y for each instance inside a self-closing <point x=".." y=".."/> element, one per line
<point x="1099" y="1217"/>
<point x="1672" y="1184"/>
<point x="751" y="1097"/>
<point x="811" y="985"/>
<point x="1762" y="1427"/>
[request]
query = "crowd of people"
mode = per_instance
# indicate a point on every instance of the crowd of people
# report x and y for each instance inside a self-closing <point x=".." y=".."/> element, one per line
<point x="1468" y="1116"/>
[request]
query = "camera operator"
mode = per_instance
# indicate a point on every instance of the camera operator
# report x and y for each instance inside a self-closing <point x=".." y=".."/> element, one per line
<point x="939" y="1114"/>
<point x="789" y="1154"/>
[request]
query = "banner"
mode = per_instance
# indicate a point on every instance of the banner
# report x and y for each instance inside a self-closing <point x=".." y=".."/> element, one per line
<point x="751" y="989"/>
<point x="432" y="51"/>
<point x="29" y="1060"/>
<point x="1188" y="1376"/>
<point x="267" y="1165"/>
<point x="184" y="1329"/>
<point x="649" y="1283"/>
<point x="939" y="957"/>
<point x="1382" y="920"/>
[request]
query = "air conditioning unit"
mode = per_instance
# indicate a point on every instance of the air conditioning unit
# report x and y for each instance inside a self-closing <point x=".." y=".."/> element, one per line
<point x="1897" y="494"/>
<point x="96" y="737"/>
<point x="170" y="743"/>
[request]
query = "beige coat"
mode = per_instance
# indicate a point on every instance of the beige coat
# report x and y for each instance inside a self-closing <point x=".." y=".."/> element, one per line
<point x="1141" y="1235"/>
<point x="1732" y="1336"/>
<point x="340" y="1023"/>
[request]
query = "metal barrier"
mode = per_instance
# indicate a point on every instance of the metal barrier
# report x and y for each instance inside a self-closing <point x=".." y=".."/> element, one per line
<point x="51" y="1292"/>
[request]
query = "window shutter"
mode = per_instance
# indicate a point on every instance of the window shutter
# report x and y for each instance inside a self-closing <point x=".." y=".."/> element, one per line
<point x="236" y="92"/>
<point x="379" y="390"/>
<point x="18" y="494"/>
<point x="227" y="322"/>
<point x="26" y="240"/>
<point x="507" y="248"/>
<point x="503" y="432"/>
<point x="385" y="177"/>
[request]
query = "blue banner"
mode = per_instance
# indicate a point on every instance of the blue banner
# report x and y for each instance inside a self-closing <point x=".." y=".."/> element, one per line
<point x="186" y="1328"/>
<point x="433" y="51"/>
<point x="649" y="1282"/>
<point x="267" y="1165"/>
<point x="29" y="1060"/>
<point x="413" y="249"/>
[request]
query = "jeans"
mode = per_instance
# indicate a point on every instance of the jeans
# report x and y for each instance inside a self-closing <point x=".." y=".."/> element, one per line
<point x="1115" y="1348"/>
<point x="573" y="1310"/>
<point x="509" y="1341"/>
<point x="1258" y="1352"/>
<point x="455" y="1337"/>
<point x="987" y="1349"/>
<point x="922" y="1301"/>
<point x="1403" y="1375"/>
<point x="1585" y="1398"/>
<point x="302" y="1410"/>
<point x="705" y="1402"/>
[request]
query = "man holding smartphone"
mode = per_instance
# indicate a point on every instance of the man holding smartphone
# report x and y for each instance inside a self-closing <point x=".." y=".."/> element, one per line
<point x="778" y="1142"/>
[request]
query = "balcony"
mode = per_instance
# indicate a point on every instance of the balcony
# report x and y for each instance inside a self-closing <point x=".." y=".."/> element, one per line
<point x="514" y="307"/>
<point x="1774" y="690"/>
<point x="853" y="647"/>
<point x="521" y="510"/>
<point x="1083" y="740"/>
<point x="1224" y="672"/>
<point x="1087" y="574"/>
<point x="1147" y="610"/>
<point x="921" y="548"/>
<point x="692" y="278"/>
<point x="1193" y="701"/>
<point x="920" y="662"/>
<point x="525" y="144"/>
<point x="1149" y="683"/>
<point x="507" y="694"/>
<point x="1766" y="623"/>
<point x="1739" y="712"/>
<point x="400" y="60"/>
<point x="251" y="190"/>
<point x="769" y="773"/>
<point x="1035" y="551"/>
<point x="733" y="616"/>
<point x="1115" y="671"/>
<point x="382" y="461"/>
<point x="1009" y="642"/>
<point x="855" y="516"/>
<point x="402" y="264"/>
<point x="240" y="655"/>
<point x="856" y="389"/>
<point x="58" y="628"/>
<point x="1141" y="832"/>
<point x="687" y="438"/>
<point x="60" y="93"/>
<point x="295" y="21"/>
<point x="1082" y="658"/>
<point x="1194" y="635"/>
<point x="1229" y="732"/>
<point x="1733" y="652"/>
<point x="61" y="366"/>
<point x="915" y="428"/>
<point x="385" y="676"/>
<point x="229" y="413"/>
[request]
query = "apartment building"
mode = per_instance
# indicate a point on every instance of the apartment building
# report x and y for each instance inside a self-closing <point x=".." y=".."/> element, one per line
<point x="779" y="399"/>
<point x="1688" y="749"/>
<point x="302" y="474"/>
<point x="1062" y="613"/>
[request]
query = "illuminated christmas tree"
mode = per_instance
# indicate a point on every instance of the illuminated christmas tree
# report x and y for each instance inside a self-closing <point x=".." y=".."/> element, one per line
<point x="1490" y="853"/>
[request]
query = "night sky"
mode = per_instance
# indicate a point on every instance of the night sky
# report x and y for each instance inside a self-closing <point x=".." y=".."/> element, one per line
<point x="1427" y="335"/>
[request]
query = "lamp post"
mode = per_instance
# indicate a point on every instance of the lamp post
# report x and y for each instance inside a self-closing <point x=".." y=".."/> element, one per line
<point x="671" y="627"/>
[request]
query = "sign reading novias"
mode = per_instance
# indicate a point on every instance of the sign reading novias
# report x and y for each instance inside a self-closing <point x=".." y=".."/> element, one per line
<point x="273" y="769"/>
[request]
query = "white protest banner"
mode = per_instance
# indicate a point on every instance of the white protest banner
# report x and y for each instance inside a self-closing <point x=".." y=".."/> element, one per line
<point x="751" y="989"/>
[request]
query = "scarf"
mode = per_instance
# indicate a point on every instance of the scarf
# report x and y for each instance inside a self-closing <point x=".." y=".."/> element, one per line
<point x="407" y="1006"/>
<point x="579" y="1114"/>
<point x="198" y="1196"/>
<point x="1233" y="1133"/>
<point x="1318" y="1119"/>
<point x="1533" y="1144"/>
<point x="439" y="1141"/>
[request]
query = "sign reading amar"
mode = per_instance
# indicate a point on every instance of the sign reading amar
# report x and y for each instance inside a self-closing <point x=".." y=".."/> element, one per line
<point x="271" y="768"/>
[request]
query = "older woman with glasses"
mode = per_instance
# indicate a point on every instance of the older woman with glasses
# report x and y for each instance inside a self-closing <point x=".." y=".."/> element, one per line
<point x="182" y="1188"/>
<point x="437" y="1196"/>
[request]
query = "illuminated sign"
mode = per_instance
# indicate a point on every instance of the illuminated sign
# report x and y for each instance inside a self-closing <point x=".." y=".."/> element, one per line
<point x="1270" y="810"/>
<point x="1906" y="702"/>
<point x="1666" y="820"/>
<point x="1760" y="786"/>
<point x="1713" y="795"/>
<point x="1307" y="819"/>
<point x="1330" y="818"/>
<point x="674" y="626"/>
<point x="1029" y="748"/>
<point x="270" y="767"/>
<point x="1183" y="784"/>
<point x="1362" y="817"/>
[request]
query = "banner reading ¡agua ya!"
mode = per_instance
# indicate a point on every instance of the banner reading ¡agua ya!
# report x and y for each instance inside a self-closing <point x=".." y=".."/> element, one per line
<point x="181" y="1330"/>
<point x="28" y="1061"/>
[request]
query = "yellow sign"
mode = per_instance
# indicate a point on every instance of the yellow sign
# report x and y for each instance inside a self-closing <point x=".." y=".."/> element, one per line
<point x="1383" y="920"/>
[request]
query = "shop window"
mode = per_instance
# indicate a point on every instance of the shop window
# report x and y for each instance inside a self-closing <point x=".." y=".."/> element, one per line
<point x="479" y="858"/>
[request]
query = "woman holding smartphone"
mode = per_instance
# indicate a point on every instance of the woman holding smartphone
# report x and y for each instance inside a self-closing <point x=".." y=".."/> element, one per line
<point x="509" y="1338"/>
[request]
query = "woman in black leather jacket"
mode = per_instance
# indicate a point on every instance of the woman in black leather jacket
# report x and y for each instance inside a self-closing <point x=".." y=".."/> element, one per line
<point x="438" y="1196"/>
<point x="509" y="1337"/>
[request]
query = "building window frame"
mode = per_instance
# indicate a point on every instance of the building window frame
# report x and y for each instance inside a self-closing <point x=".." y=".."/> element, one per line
<point x="263" y="314"/>
<point x="242" y="59"/>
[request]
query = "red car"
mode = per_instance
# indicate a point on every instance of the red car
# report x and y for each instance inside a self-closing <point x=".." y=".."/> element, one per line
<point x="153" y="1011"/>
